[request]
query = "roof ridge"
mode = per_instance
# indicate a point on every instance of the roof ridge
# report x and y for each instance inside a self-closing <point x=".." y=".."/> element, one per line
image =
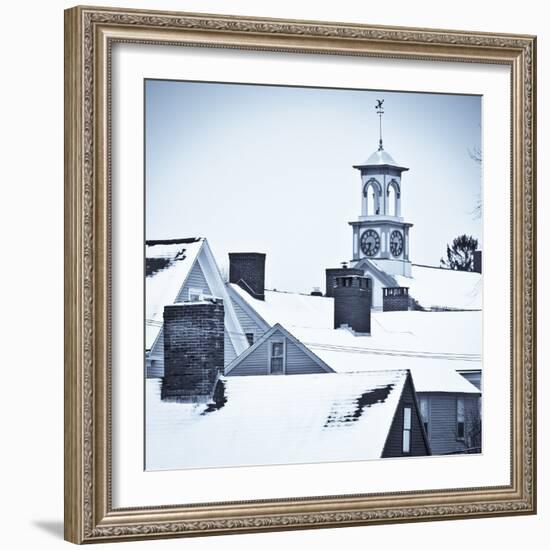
<point x="184" y="240"/>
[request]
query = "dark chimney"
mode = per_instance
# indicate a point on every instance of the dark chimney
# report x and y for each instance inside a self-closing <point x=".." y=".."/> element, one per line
<point x="395" y="298"/>
<point x="352" y="302"/>
<point x="193" y="350"/>
<point x="247" y="269"/>
<point x="333" y="272"/>
<point x="477" y="261"/>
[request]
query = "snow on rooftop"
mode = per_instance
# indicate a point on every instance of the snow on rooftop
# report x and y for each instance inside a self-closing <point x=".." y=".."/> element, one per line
<point x="167" y="265"/>
<point x="432" y="344"/>
<point x="434" y="287"/>
<point x="290" y="308"/>
<point x="275" y="420"/>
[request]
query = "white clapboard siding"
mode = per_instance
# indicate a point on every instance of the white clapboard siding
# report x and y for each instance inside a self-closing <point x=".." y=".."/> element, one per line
<point x="155" y="367"/>
<point x="195" y="279"/>
<point x="229" y="353"/>
<point x="247" y="322"/>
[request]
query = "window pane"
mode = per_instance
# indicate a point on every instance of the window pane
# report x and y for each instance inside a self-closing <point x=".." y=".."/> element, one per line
<point x="277" y="349"/>
<point x="406" y="441"/>
<point x="250" y="337"/>
<point x="460" y="409"/>
<point x="460" y="430"/>
<point x="424" y="409"/>
<point x="407" y="418"/>
<point x="276" y="365"/>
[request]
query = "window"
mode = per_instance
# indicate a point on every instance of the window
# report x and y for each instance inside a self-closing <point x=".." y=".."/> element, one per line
<point x="460" y="418"/>
<point x="277" y="358"/>
<point x="425" y="412"/>
<point x="195" y="294"/>
<point x="407" y="417"/>
<point x="250" y="337"/>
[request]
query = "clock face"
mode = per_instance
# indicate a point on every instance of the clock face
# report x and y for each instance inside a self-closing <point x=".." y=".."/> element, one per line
<point x="370" y="242"/>
<point x="396" y="243"/>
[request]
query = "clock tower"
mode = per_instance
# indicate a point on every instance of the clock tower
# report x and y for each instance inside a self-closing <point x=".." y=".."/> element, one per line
<point x="380" y="232"/>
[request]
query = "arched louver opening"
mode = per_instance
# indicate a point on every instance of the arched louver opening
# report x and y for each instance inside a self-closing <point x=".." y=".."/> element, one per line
<point x="372" y="193"/>
<point x="393" y="199"/>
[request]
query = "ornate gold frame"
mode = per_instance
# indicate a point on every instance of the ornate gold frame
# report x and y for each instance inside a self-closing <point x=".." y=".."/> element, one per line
<point x="89" y="34"/>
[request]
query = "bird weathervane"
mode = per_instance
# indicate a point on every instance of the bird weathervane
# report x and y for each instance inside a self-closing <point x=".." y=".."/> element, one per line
<point x="380" y="111"/>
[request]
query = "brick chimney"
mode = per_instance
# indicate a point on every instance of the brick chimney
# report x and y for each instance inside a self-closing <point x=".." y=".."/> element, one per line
<point x="193" y="350"/>
<point x="333" y="272"/>
<point x="352" y="303"/>
<point x="247" y="269"/>
<point x="477" y="261"/>
<point x="395" y="298"/>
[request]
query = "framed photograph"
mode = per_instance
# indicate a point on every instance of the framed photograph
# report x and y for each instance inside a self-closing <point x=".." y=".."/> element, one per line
<point x="300" y="274"/>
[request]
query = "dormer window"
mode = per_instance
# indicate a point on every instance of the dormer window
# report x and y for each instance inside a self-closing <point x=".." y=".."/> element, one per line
<point x="277" y="357"/>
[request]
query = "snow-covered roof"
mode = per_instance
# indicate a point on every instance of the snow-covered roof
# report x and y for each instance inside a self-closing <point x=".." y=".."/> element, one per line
<point x="431" y="371"/>
<point x="275" y="420"/>
<point x="432" y="344"/>
<point x="434" y="287"/>
<point x="167" y="265"/>
<point x="290" y="308"/>
<point x="380" y="157"/>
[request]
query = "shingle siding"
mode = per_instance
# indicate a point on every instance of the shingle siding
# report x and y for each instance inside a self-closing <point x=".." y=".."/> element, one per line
<point x="394" y="442"/>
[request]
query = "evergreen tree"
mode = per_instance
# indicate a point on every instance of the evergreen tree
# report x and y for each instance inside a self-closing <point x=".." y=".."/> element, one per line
<point x="460" y="255"/>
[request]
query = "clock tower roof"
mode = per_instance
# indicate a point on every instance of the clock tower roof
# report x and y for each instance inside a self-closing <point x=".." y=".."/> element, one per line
<point x="380" y="158"/>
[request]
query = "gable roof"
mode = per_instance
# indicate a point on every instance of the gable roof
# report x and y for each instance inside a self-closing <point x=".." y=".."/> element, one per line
<point x="255" y="422"/>
<point x="433" y="345"/>
<point x="167" y="266"/>
<point x="274" y="329"/>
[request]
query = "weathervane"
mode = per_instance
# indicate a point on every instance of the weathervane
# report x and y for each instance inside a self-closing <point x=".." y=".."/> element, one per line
<point x="380" y="111"/>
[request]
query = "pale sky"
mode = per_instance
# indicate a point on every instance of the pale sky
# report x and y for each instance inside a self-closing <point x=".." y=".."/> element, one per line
<point x="269" y="169"/>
